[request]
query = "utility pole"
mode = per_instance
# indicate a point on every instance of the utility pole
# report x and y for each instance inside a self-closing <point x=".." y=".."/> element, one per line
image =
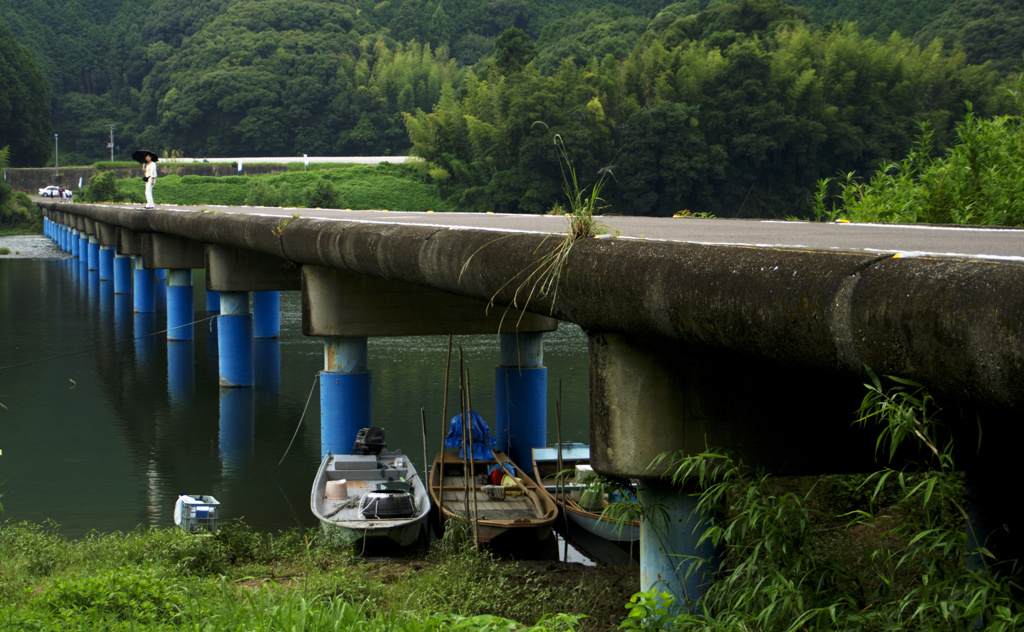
<point x="111" y="144"/>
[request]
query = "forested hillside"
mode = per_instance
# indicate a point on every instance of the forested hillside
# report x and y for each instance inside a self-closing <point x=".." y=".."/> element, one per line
<point x="733" y="107"/>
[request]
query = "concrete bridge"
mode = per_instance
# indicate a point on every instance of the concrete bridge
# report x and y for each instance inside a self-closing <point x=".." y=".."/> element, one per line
<point x="748" y="336"/>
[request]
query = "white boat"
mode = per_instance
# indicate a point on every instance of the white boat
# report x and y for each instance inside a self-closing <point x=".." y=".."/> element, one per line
<point x="371" y="496"/>
<point x="585" y="515"/>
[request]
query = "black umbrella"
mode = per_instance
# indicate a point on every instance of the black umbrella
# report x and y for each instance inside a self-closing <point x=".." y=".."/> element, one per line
<point x="140" y="156"/>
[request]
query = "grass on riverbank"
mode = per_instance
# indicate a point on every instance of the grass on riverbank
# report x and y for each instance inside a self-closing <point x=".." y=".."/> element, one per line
<point x="164" y="579"/>
<point x="392" y="187"/>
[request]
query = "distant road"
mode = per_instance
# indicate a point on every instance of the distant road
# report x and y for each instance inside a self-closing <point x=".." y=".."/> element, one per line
<point x="252" y="160"/>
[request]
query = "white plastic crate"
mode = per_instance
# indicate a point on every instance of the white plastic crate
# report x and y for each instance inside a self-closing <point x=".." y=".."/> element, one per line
<point x="196" y="513"/>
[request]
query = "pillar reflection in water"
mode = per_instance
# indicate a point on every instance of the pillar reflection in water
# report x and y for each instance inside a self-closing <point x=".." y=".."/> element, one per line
<point x="267" y="360"/>
<point x="94" y="291"/>
<point x="237" y="416"/>
<point x="124" y="325"/>
<point x="181" y="382"/>
<point x="122" y="274"/>
<point x="145" y="341"/>
<point x="106" y="294"/>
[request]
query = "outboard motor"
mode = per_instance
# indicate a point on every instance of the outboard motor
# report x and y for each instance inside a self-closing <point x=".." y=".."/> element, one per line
<point x="369" y="441"/>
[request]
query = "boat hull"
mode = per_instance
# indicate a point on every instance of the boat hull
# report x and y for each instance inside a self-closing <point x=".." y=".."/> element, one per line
<point x="363" y="475"/>
<point x="525" y="511"/>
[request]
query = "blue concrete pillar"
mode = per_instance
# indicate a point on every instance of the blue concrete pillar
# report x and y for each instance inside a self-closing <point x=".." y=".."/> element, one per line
<point x="179" y="304"/>
<point x="237" y="437"/>
<point x="345" y="394"/>
<point x="106" y="265"/>
<point x="213" y="302"/>
<point x="122" y="274"/>
<point x="74" y="242"/>
<point x="94" y="253"/>
<point x="669" y="544"/>
<point x="266" y="314"/>
<point x="83" y="249"/>
<point x="144" y="282"/>
<point x="520" y="396"/>
<point x="180" y="370"/>
<point x="234" y="340"/>
<point x="161" y="289"/>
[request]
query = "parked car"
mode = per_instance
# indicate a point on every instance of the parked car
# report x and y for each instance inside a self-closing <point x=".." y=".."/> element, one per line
<point x="50" y="191"/>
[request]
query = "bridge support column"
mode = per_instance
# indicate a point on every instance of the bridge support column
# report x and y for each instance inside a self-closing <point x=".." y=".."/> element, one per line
<point x="213" y="302"/>
<point x="180" y="312"/>
<point x="94" y="253"/>
<point x="520" y="395"/>
<point x="669" y="544"/>
<point x="161" y="288"/>
<point x="106" y="265"/>
<point x="73" y="241"/>
<point x="122" y="274"/>
<point x="266" y="314"/>
<point x="144" y="282"/>
<point x="83" y="249"/>
<point x="345" y="393"/>
<point x="234" y="340"/>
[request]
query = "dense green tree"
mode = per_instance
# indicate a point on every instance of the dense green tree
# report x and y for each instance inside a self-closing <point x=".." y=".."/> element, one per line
<point x="513" y="50"/>
<point x="24" y="108"/>
<point x="987" y="30"/>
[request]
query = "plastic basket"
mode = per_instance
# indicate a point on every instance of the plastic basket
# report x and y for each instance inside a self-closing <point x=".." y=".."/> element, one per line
<point x="198" y="513"/>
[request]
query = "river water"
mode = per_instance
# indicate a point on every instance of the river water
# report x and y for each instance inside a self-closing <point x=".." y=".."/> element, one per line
<point x="104" y="423"/>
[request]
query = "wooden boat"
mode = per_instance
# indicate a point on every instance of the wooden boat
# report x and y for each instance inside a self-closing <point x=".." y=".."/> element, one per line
<point x="522" y="509"/>
<point x="545" y="468"/>
<point x="371" y="496"/>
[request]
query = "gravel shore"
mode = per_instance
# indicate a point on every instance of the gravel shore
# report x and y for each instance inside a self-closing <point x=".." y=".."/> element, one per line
<point x="31" y="247"/>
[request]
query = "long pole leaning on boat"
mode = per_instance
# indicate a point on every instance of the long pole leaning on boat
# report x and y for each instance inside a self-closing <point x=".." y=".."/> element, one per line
<point x="472" y="468"/>
<point x="465" y="451"/>
<point x="426" y="462"/>
<point x="560" y="479"/>
<point x="444" y="433"/>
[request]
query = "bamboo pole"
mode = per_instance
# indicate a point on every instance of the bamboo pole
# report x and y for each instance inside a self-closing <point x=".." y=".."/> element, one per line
<point x="423" y="421"/>
<point x="561" y="472"/>
<point x="472" y="468"/>
<point x="444" y="433"/>
<point x="465" y="451"/>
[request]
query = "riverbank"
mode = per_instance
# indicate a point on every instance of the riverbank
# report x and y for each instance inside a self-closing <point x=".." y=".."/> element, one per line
<point x="30" y="247"/>
<point x="239" y="579"/>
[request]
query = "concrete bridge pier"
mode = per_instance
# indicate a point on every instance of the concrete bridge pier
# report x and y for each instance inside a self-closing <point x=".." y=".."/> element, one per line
<point x="520" y="395"/>
<point x="346" y="393"/>
<point x="83" y="249"/>
<point x="266" y="314"/>
<point x="144" y="287"/>
<point x="180" y="312"/>
<point x="234" y="274"/>
<point x="94" y="253"/>
<point x="106" y="235"/>
<point x="161" y="288"/>
<point x="234" y="340"/>
<point x="212" y="302"/>
<point x="73" y="240"/>
<point x="652" y="397"/>
<point x="346" y="308"/>
<point x="122" y="274"/>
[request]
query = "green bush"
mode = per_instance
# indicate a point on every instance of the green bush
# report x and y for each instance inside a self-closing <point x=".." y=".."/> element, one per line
<point x="101" y="188"/>
<point x="262" y="193"/>
<point x="323" y="194"/>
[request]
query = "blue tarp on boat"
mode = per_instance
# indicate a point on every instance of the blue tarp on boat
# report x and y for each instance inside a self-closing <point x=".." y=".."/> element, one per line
<point x="480" y="432"/>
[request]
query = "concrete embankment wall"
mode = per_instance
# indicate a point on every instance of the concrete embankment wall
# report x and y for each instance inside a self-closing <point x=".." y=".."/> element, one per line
<point x="31" y="180"/>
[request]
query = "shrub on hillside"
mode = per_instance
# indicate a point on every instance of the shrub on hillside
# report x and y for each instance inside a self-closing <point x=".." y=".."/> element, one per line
<point x="262" y="193"/>
<point x="101" y="188"/>
<point x="323" y="194"/>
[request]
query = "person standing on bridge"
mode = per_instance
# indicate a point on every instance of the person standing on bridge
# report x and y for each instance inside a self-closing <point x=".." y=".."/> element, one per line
<point x="148" y="160"/>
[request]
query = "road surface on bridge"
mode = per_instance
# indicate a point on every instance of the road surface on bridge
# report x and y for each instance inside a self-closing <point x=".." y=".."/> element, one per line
<point x="991" y="243"/>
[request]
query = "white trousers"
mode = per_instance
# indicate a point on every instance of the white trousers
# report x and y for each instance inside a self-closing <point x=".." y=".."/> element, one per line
<point x="149" y="192"/>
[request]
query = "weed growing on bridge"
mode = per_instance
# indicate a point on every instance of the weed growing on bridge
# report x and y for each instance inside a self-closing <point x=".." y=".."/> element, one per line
<point x="542" y="276"/>
<point x="904" y="562"/>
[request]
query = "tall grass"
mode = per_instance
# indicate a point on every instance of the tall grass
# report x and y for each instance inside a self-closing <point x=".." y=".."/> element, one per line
<point x="239" y="579"/>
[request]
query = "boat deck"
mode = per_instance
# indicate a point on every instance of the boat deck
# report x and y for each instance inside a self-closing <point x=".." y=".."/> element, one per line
<point x="515" y="506"/>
